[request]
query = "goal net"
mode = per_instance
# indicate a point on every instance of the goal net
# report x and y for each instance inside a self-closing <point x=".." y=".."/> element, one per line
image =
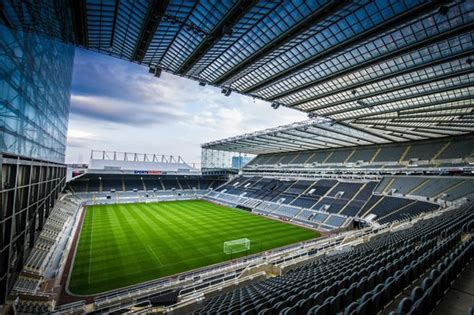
<point x="236" y="246"/>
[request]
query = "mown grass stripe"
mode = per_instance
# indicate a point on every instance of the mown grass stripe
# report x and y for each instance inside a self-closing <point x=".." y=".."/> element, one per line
<point x="132" y="243"/>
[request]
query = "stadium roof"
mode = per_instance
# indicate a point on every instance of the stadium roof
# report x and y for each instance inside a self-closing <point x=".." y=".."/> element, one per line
<point x="384" y="66"/>
<point x="319" y="133"/>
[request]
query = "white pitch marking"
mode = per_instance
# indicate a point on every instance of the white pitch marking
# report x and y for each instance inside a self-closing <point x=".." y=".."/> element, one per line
<point x="90" y="249"/>
<point x="154" y="254"/>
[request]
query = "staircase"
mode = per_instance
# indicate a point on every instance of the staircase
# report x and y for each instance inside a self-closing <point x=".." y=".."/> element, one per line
<point x="388" y="185"/>
<point x="327" y="157"/>
<point x="445" y="146"/>
<point x="353" y="198"/>
<point x="251" y="203"/>
<point x="449" y="188"/>
<point x="418" y="186"/>
<point x="297" y="214"/>
<point x="404" y="154"/>
<point x="375" y="155"/>
<point x="309" y="158"/>
<point x="398" y="210"/>
<point x="294" y="158"/>
<point x="371" y="208"/>
<point x="349" y="156"/>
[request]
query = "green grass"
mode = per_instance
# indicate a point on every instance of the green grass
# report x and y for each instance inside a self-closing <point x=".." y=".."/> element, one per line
<point x="125" y="244"/>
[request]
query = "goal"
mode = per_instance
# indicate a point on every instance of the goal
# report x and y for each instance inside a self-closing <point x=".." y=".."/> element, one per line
<point x="236" y="246"/>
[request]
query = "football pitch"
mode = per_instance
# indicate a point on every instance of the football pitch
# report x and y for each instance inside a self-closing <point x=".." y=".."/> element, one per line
<point x="125" y="244"/>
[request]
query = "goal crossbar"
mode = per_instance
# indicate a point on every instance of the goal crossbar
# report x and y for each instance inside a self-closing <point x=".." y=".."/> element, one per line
<point x="236" y="246"/>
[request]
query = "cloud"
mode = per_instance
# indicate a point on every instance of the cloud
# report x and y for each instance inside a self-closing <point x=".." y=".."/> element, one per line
<point x="124" y="112"/>
<point x="117" y="105"/>
<point x="75" y="134"/>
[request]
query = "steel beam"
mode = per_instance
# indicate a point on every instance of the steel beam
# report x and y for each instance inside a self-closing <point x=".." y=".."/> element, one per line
<point x="155" y="12"/>
<point x="229" y="20"/>
<point x="318" y="16"/>
<point x="382" y="78"/>
<point x="374" y="115"/>
<point x="359" y="38"/>
<point x="400" y="88"/>
<point x="79" y="22"/>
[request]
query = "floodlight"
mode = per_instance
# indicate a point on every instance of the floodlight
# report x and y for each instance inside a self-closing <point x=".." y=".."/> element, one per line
<point x="226" y="91"/>
<point x="362" y="103"/>
<point x="157" y="72"/>
<point x="226" y="30"/>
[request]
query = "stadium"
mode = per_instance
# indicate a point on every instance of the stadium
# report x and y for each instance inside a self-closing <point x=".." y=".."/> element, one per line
<point x="365" y="207"/>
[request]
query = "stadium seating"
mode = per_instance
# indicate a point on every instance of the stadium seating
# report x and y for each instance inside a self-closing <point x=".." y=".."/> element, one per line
<point x="327" y="203"/>
<point x="115" y="182"/>
<point x="368" y="278"/>
<point x="447" y="188"/>
<point x="445" y="152"/>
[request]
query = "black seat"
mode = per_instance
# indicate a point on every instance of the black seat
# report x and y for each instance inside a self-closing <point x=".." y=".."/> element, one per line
<point x="416" y="294"/>
<point x="404" y="306"/>
<point x="351" y="308"/>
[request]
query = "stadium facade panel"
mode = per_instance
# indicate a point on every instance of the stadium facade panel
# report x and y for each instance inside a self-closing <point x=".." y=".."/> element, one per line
<point x="30" y="189"/>
<point x="35" y="83"/>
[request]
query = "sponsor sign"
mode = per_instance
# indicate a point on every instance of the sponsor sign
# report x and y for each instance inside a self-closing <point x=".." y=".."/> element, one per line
<point x="147" y="172"/>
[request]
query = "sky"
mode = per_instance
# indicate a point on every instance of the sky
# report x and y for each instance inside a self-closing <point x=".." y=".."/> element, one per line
<point x="118" y="106"/>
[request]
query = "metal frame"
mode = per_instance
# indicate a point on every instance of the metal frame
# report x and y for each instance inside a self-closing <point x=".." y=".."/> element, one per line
<point x="397" y="20"/>
<point x="299" y="28"/>
<point x="234" y="15"/>
<point x="245" y="61"/>
<point x="318" y="133"/>
<point x="31" y="189"/>
<point x="156" y="9"/>
<point x="135" y="157"/>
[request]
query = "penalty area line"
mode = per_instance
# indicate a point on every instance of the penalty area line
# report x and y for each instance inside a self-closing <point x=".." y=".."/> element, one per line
<point x="154" y="254"/>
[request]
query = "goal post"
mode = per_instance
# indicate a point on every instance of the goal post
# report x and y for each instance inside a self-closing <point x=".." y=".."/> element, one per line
<point x="236" y="246"/>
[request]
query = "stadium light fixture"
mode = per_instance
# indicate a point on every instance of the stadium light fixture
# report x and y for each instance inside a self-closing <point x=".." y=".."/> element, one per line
<point x="157" y="72"/>
<point x="362" y="103"/>
<point x="227" y="30"/>
<point x="226" y="91"/>
<point x="275" y="105"/>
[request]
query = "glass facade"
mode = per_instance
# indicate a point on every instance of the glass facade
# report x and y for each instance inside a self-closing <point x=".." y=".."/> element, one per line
<point x="35" y="82"/>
